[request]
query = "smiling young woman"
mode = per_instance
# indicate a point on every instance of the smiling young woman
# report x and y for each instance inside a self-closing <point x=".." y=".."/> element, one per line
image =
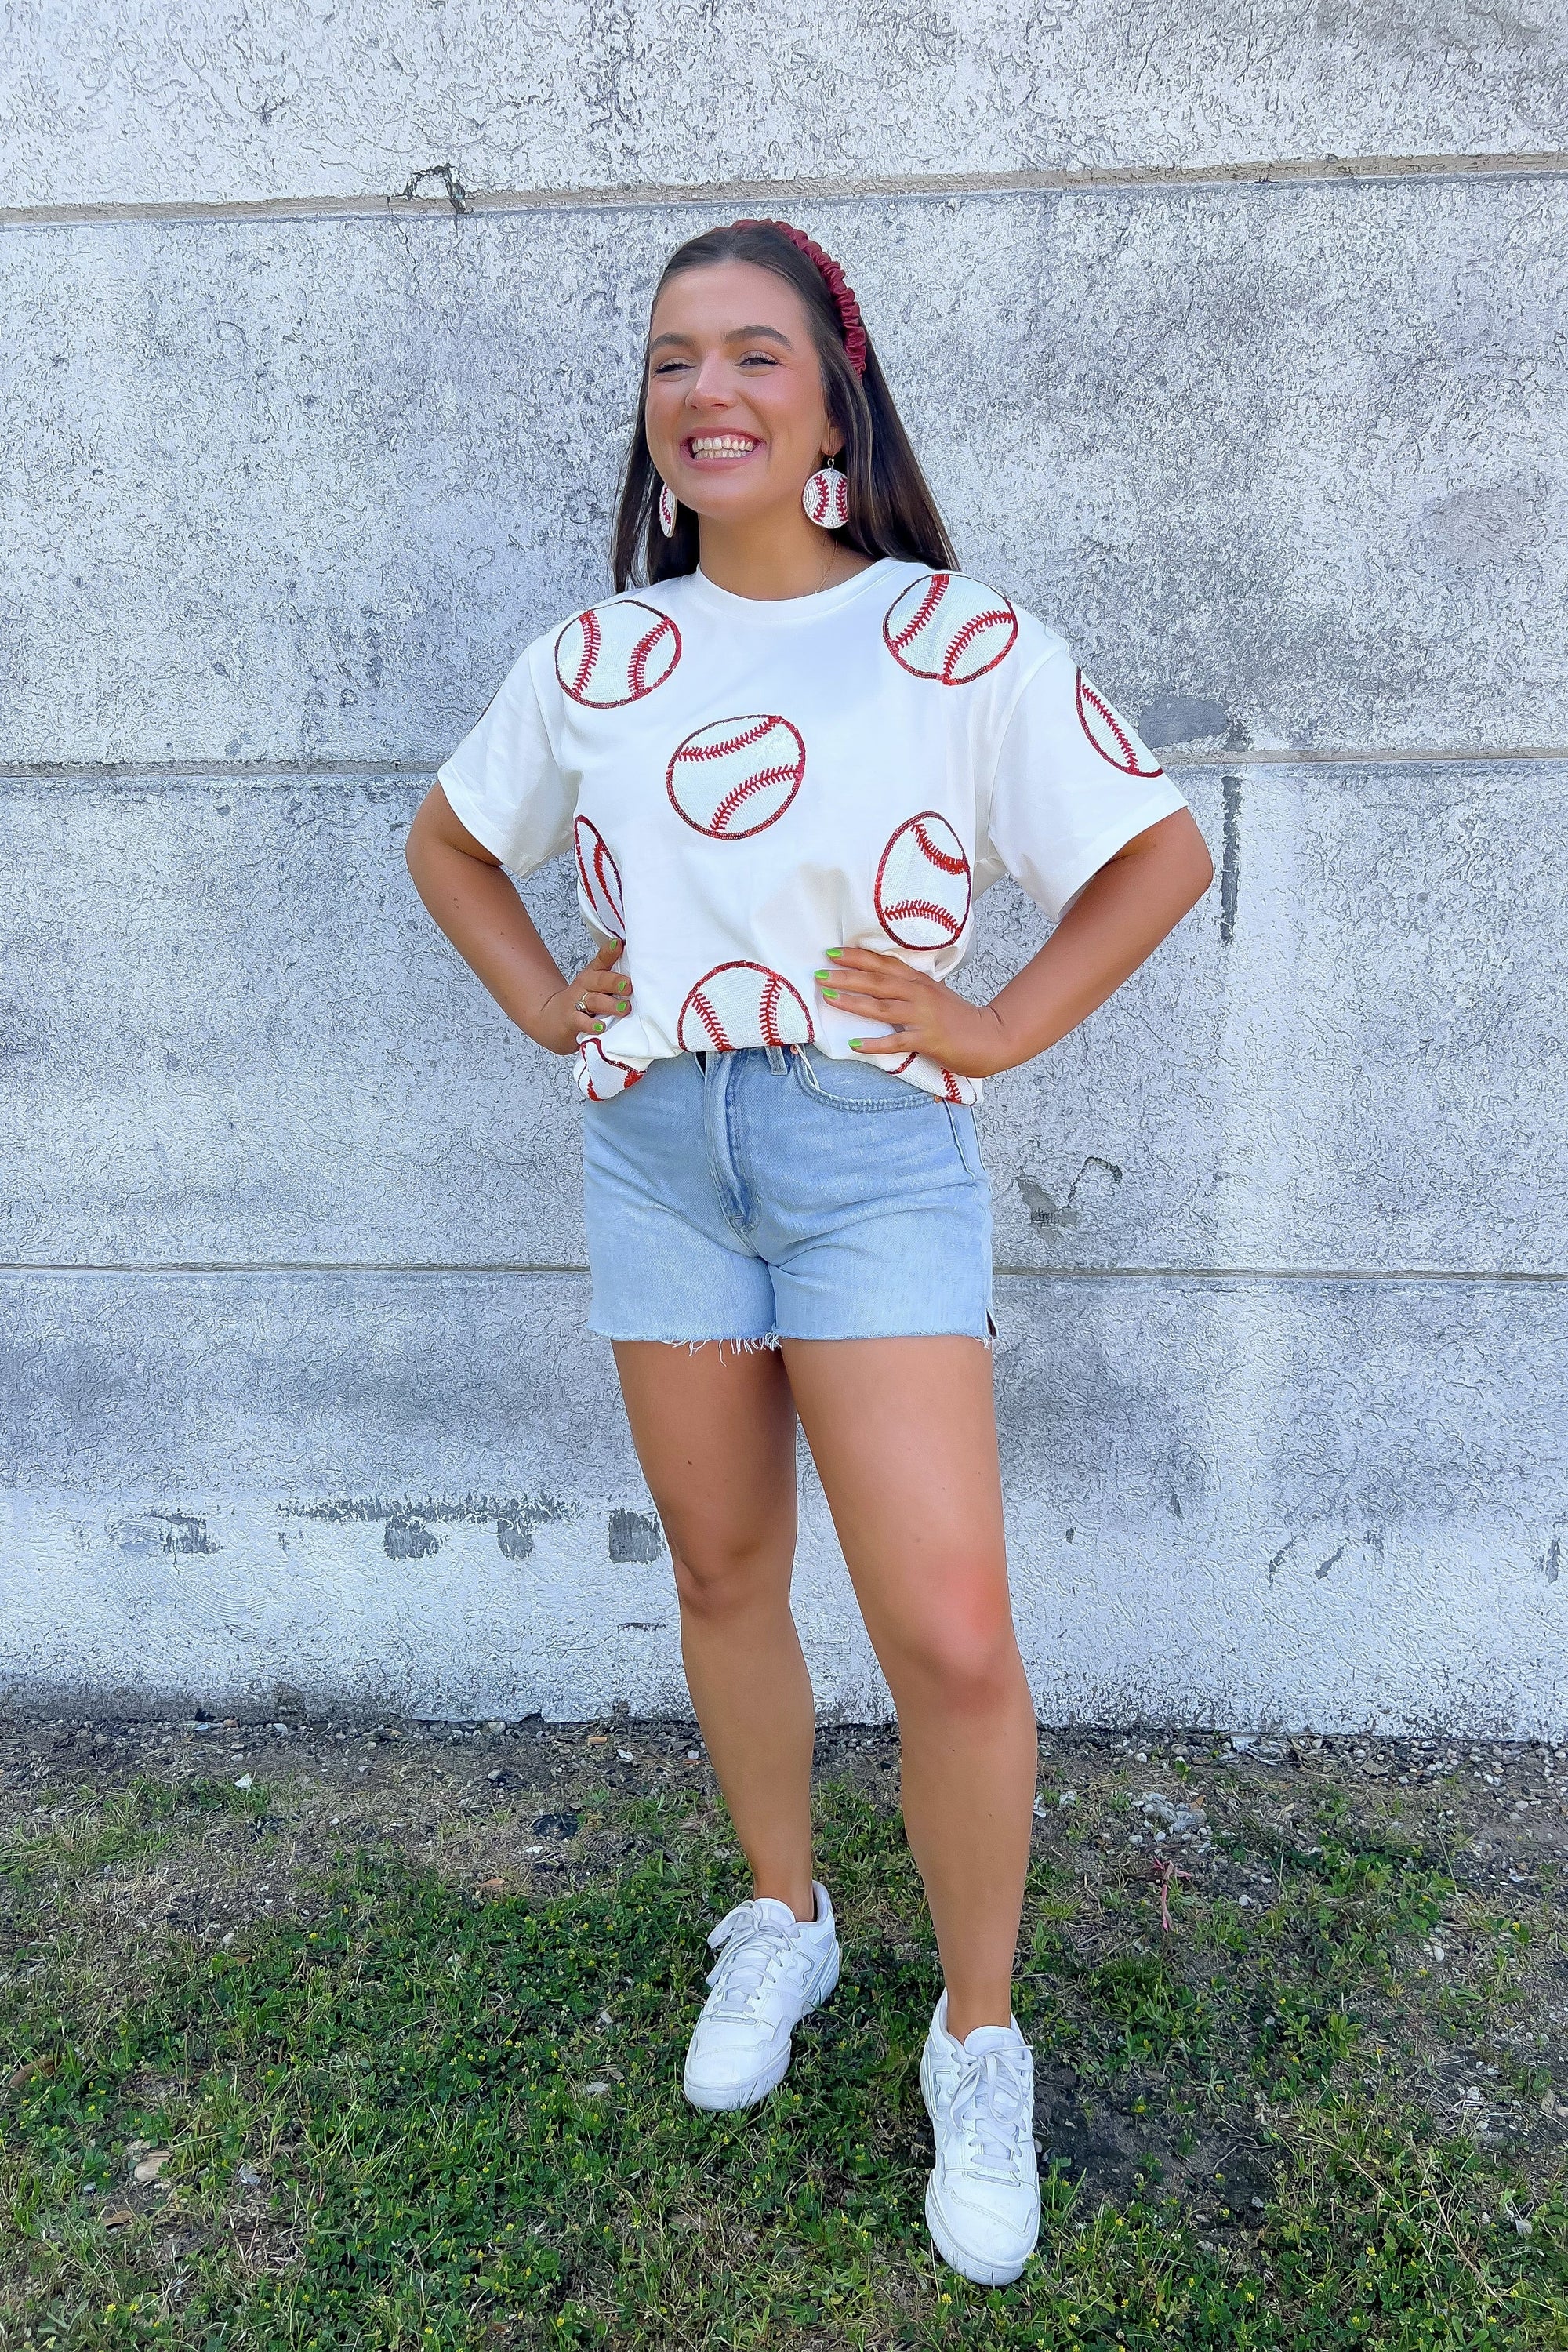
<point x="787" y="765"/>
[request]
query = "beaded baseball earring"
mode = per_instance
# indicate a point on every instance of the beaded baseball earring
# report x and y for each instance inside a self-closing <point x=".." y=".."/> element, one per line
<point x="825" y="497"/>
<point x="668" y="510"/>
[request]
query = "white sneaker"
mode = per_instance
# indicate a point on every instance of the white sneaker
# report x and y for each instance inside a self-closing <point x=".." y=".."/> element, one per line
<point x="983" y="2200"/>
<point x="772" y="1969"/>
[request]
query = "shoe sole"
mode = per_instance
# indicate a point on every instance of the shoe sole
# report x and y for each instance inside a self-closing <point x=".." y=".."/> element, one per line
<point x="958" y="2259"/>
<point x="752" y="2094"/>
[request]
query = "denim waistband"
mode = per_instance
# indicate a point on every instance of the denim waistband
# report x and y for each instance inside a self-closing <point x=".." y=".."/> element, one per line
<point x="772" y="1055"/>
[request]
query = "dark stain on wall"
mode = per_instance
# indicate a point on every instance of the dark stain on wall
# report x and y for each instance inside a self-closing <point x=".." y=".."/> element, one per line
<point x="635" y="1536"/>
<point x="408" y="1528"/>
<point x="1281" y="1556"/>
<point x="171" y="1531"/>
<point x="407" y="1537"/>
<point x="1182" y="718"/>
<point x="183" y="1533"/>
<point x="1230" y="861"/>
<point x="514" y="1534"/>
<point x="1096" y="1180"/>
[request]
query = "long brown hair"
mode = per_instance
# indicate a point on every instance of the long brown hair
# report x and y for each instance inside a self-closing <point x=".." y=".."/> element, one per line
<point x="891" y="510"/>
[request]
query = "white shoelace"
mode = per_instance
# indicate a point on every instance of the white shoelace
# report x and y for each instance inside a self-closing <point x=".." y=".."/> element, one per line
<point x="751" y="1949"/>
<point x="988" y="2106"/>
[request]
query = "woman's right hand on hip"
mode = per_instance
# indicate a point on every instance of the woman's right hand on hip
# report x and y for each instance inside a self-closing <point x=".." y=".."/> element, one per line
<point x="594" y="997"/>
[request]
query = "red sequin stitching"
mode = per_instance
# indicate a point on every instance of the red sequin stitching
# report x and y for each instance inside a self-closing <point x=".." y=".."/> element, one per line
<point x="942" y="916"/>
<point x="721" y="750"/>
<point x="931" y="599"/>
<point x="966" y="636"/>
<point x="1129" y="762"/>
<point x="637" y="666"/>
<point x="740" y="792"/>
<point x="589" y="622"/>
<point x="938" y="857"/>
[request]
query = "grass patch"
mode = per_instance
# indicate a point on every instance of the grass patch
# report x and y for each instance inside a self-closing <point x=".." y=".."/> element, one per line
<point x="416" y="2116"/>
<point x="123" y="1830"/>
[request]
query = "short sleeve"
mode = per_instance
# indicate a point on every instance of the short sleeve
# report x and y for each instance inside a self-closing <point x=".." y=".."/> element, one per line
<point x="503" y="781"/>
<point x="1073" y="784"/>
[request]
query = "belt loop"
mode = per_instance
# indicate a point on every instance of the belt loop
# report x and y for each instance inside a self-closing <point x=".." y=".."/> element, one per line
<point x="776" y="1062"/>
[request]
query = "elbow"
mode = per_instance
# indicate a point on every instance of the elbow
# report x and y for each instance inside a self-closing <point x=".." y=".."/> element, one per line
<point x="414" y="842"/>
<point x="1203" y="872"/>
<point x="1177" y="857"/>
<point x="1195" y="867"/>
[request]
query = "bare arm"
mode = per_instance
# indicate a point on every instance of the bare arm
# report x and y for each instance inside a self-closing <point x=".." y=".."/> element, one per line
<point x="468" y="895"/>
<point x="1114" y="924"/>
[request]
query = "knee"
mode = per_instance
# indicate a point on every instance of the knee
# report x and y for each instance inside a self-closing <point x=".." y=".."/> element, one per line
<point x="717" y="1580"/>
<point x="962" y="1658"/>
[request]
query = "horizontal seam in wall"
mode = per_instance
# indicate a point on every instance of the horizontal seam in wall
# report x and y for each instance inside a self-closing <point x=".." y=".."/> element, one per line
<point x="257" y="772"/>
<point x="202" y="1267"/>
<point x="241" y="772"/>
<point x="1276" y="1273"/>
<point x="473" y="1271"/>
<point x="1287" y="172"/>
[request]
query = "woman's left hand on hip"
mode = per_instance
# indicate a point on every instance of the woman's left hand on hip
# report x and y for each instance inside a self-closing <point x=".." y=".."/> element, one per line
<point x="923" y="1015"/>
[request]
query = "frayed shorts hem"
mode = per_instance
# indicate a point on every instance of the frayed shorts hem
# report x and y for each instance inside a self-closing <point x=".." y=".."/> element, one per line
<point x="774" y="1339"/>
<point x="745" y="1346"/>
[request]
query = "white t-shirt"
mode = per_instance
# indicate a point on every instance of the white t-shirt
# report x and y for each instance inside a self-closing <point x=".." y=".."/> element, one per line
<point x="745" y="784"/>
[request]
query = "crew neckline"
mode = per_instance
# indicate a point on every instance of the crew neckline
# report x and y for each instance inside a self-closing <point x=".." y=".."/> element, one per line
<point x="783" y="609"/>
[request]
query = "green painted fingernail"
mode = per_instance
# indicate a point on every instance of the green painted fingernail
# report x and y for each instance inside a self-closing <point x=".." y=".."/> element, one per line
<point x="834" y="954"/>
<point x="856" y="1042"/>
<point x="830" y="991"/>
<point x="598" y="1028"/>
<point x="822" y="975"/>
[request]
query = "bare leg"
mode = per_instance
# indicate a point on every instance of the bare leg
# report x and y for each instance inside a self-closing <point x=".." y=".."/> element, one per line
<point x="714" y="1432"/>
<point x="903" y="1432"/>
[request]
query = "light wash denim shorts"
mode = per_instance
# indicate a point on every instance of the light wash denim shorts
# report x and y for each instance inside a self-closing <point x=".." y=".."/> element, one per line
<point x="772" y="1193"/>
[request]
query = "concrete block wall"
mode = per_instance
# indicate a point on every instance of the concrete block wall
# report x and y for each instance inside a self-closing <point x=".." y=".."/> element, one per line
<point x="1238" y="353"/>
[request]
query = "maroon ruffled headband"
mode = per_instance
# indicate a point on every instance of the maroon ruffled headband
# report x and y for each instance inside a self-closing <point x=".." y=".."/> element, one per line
<point x="838" y="285"/>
